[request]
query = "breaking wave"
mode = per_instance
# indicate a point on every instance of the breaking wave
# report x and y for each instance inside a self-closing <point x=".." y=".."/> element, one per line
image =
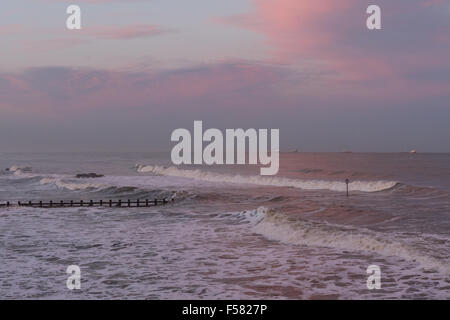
<point x="280" y="227"/>
<point x="365" y="186"/>
<point x="110" y="186"/>
<point x="107" y="188"/>
<point x="253" y="217"/>
<point x="73" y="186"/>
<point x="16" y="168"/>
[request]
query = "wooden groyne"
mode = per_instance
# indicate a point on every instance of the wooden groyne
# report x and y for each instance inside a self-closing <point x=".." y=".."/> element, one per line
<point x="139" y="203"/>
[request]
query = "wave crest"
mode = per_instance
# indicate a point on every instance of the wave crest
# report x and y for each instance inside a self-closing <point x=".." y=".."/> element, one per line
<point x="364" y="186"/>
<point x="17" y="168"/>
<point x="280" y="227"/>
<point x="71" y="185"/>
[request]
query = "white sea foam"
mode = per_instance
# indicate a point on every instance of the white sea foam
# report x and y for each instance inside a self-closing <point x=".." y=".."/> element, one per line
<point x="59" y="182"/>
<point x="69" y="182"/>
<point x="16" y="168"/>
<point x="21" y="171"/>
<point x="365" y="186"/>
<point x="252" y="216"/>
<point x="280" y="227"/>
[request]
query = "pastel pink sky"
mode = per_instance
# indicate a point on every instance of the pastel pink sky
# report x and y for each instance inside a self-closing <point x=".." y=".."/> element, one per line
<point x="241" y="63"/>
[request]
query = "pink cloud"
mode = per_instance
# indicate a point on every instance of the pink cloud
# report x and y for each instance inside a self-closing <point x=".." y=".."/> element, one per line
<point x="101" y="1"/>
<point x="331" y="36"/>
<point x="433" y="2"/>
<point x="58" y="89"/>
<point x="124" y="32"/>
<point x="12" y="29"/>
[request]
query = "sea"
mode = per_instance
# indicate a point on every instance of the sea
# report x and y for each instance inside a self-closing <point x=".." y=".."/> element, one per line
<point x="227" y="232"/>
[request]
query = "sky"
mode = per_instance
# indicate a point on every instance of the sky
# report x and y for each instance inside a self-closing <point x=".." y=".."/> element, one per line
<point x="139" y="69"/>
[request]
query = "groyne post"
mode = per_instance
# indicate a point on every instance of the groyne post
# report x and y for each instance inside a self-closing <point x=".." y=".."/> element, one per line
<point x="347" y="181"/>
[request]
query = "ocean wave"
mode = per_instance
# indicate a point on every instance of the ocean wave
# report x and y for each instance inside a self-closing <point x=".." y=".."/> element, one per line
<point x="422" y="193"/>
<point x="16" y="168"/>
<point x="114" y="188"/>
<point x="73" y="186"/>
<point x="364" y="186"/>
<point x="280" y="227"/>
<point x="21" y="172"/>
<point x="252" y="217"/>
<point x="107" y="186"/>
<point x="59" y="181"/>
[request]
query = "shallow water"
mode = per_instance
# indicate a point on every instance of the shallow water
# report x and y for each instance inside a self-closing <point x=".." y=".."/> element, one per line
<point x="230" y="233"/>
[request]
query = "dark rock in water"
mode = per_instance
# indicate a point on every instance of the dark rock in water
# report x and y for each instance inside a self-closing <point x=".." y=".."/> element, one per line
<point x="89" y="175"/>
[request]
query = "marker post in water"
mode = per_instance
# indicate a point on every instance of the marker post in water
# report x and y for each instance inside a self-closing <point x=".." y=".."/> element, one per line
<point x="347" y="182"/>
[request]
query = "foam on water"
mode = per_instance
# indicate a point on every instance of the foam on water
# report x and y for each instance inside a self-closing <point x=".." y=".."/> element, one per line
<point x="16" y="168"/>
<point x="253" y="217"/>
<point x="109" y="186"/>
<point x="280" y="227"/>
<point x="208" y="247"/>
<point x="73" y="186"/>
<point x="364" y="186"/>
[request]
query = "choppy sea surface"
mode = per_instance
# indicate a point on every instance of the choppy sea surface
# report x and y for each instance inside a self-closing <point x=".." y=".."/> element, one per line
<point x="229" y="233"/>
